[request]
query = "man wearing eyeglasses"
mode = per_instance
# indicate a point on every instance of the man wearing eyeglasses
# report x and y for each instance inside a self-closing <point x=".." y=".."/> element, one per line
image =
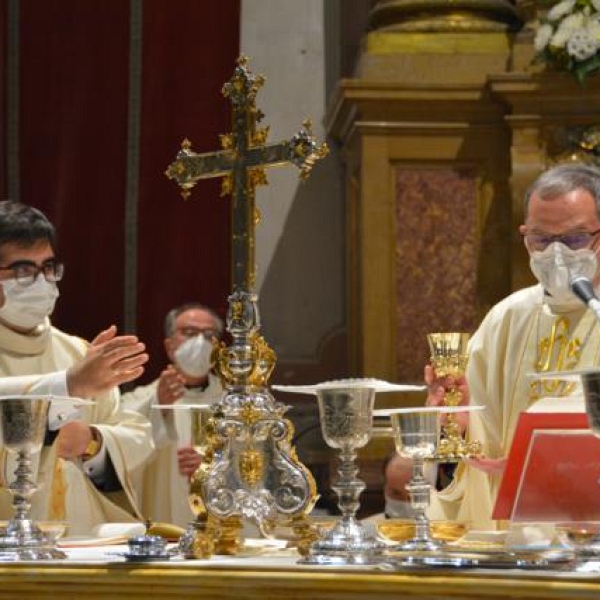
<point x="91" y="452"/>
<point x="190" y="331"/>
<point x="540" y="328"/>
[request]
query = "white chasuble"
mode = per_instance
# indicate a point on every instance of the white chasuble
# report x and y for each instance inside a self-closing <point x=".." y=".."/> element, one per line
<point x="64" y="490"/>
<point x="520" y="335"/>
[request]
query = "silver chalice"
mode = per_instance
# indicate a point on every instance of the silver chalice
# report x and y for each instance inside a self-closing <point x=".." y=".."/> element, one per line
<point x="22" y="427"/>
<point x="416" y="436"/>
<point x="346" y="415"/>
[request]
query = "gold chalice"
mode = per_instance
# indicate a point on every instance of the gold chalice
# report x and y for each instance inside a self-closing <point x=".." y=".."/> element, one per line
<point x="449" y="359"/>
<point x="198" y="540"/>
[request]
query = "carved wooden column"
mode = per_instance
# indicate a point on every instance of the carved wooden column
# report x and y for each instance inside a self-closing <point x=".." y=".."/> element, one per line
<point x="427" y="153"/>
<point x="546" y="112"/>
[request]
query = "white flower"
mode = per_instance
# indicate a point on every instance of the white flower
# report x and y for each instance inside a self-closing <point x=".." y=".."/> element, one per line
<point x="566" y="29"/>
<point x="593" y="29"/>
<point x="560" y="10"/>
<point x="574" y="21"/>
<point x="582" y="45"/>
<point x="596" y="4"/>
<point x="542" y="37"/>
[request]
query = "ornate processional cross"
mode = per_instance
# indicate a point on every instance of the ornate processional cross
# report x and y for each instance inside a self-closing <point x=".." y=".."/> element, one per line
<point x="242" y="163"/>
<point x="250" y="469"/>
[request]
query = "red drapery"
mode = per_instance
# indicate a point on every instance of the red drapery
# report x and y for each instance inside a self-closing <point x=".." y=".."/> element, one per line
<point x="74" y="86"/>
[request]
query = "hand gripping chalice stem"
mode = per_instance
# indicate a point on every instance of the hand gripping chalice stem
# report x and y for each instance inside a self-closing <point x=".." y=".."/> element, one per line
<point x="449" y="359"/>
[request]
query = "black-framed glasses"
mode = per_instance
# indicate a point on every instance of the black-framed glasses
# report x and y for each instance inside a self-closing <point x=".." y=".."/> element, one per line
<point x="27" y="272"/>
<point x="575" y="241"/>
<point x="190" y="332"/>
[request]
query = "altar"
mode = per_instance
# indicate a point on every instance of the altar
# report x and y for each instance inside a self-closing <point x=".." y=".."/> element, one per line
<point x="97" y="572"/>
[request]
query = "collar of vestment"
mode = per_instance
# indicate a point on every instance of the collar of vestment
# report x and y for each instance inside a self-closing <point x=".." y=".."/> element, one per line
<point x="27" y="344"/>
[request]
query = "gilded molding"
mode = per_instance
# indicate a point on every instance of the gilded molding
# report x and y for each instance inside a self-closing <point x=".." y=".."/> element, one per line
<point x="444" y="15"/>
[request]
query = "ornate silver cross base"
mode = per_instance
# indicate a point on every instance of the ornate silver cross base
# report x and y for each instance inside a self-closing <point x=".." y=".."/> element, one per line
<point x="250" y="471"/>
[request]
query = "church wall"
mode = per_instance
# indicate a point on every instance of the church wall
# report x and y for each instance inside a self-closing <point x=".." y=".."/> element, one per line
<point x="300" y="240"/>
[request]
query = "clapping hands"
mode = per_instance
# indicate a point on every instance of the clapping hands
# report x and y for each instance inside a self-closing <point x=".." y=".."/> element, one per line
<point x="110" y="361"/>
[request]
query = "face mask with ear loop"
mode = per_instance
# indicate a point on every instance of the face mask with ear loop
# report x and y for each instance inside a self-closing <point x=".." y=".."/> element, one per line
<point x="555" y="267"/>
<point x="27" y="306"/>
<point x="193" y="356"/>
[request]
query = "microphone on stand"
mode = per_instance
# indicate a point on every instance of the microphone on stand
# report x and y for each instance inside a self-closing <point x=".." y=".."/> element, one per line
<point x="582" y="287"/>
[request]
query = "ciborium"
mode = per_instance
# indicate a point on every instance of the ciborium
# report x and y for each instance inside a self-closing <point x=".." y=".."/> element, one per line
<point x="449" y="359"/>
<point x="23" y="422"/>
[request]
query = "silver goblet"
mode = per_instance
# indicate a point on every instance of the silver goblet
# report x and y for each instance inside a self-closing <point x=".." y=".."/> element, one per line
<point x="22" y="427"/>
<point x="346" y="416"/>
<point x="416" y="436"/>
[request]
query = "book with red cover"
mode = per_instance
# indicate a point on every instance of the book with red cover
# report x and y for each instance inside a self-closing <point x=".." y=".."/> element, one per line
<point x="552" y="472"/>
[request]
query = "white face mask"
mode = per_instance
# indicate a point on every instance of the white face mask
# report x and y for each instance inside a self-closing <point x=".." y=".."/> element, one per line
<point x="556" y="266"/>
<point x="398" y="509"/>
<point x="28" y="306"/>
<point x="193" y="356"/>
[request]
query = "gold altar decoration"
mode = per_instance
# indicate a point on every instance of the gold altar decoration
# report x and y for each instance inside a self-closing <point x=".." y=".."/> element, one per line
<point x="443" y="15"/>
<point x="256" y="579"/>
<point x="250" y="469"/>
<point x="449" y="358"/>
<point x="575" y="143"/>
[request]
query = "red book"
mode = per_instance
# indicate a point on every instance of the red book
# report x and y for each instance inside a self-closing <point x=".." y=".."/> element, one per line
<point x="552" y="472"/>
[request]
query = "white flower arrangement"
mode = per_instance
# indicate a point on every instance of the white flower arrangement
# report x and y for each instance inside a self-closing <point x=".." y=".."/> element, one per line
<point x="569" y="37"/>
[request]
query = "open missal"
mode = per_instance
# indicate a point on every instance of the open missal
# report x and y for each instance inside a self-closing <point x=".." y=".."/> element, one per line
<point x="553" y="470"/>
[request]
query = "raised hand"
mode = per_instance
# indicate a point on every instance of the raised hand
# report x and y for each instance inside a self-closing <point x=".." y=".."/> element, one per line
<point x="110" y="361"/>
<point x="170" y="386"/>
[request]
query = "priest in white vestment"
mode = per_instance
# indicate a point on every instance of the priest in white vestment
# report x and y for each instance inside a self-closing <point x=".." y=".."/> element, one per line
<point x="92" y="453"/>
<point x="541" y="328"/>
<point x="189" y="331"/>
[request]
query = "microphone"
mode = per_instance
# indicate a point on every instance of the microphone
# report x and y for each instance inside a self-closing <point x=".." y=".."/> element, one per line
<point x="582" y="287"/>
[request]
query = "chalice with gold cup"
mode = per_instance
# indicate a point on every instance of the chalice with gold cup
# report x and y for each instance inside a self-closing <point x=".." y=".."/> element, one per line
<point x="449" y="359"/>
<point x="198" y="540"/>
<point x="194" y="426"/>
